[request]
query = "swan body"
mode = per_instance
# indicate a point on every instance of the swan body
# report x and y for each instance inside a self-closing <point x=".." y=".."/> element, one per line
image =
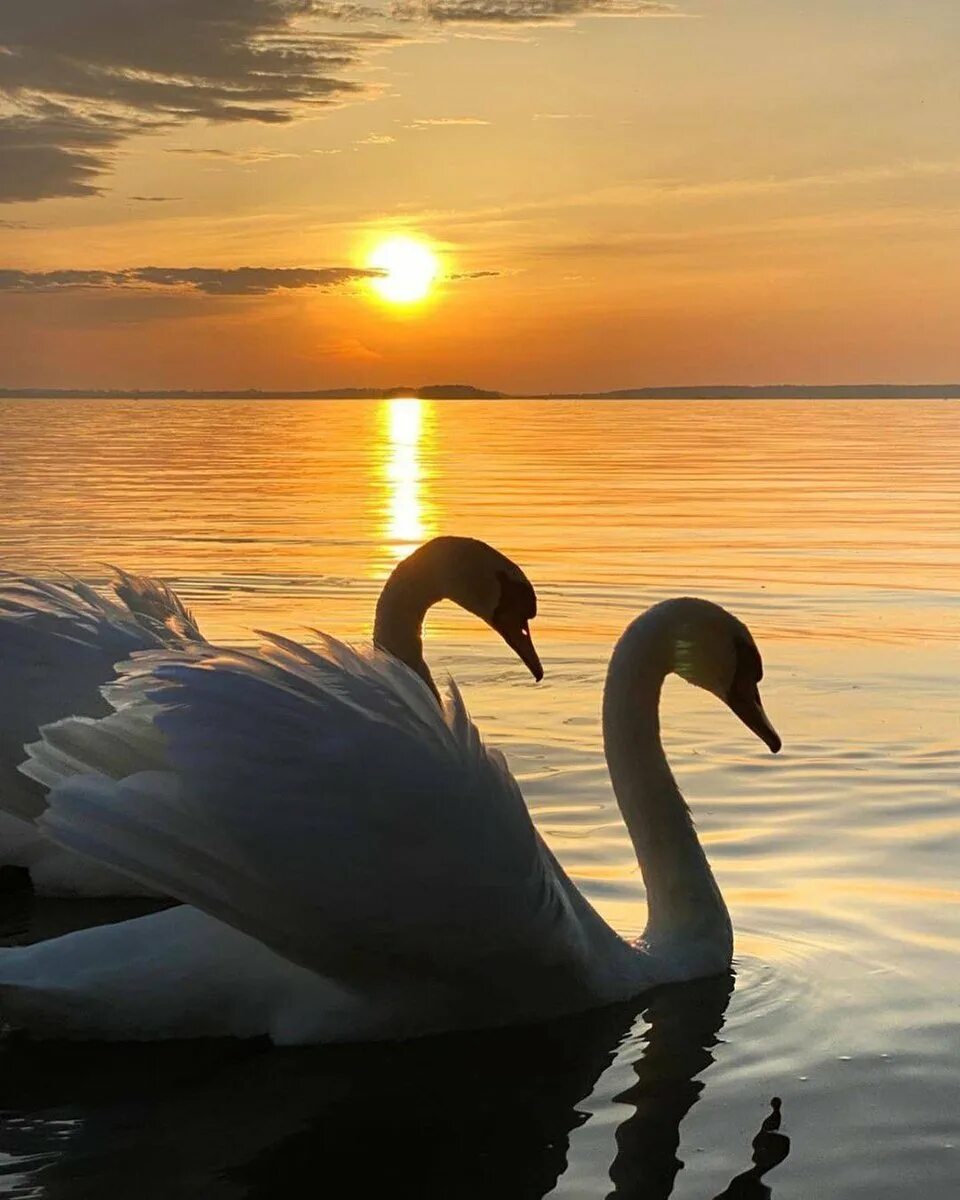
<point x="354" y="863"/>
<point x="60" y="644"/>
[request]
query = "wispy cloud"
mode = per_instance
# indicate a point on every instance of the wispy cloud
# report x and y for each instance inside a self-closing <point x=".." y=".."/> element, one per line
<point x="523" y="12"/>
<point x="428" y="122"/>
<point x="211" y="281"/>
<point x="249" y="154"/>
<point x="751" y="243"/>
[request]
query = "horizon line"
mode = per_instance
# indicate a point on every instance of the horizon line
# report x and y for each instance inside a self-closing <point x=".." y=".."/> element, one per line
<point x="466" y="391"/>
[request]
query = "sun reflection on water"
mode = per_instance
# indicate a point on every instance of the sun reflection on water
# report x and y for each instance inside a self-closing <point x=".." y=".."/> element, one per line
<point x="408" y="513"/>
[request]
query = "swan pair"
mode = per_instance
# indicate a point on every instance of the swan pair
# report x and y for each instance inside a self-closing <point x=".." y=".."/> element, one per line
<point x="353" y="863"/>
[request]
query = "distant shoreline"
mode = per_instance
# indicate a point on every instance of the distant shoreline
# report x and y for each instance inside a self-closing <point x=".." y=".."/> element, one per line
<point x="780" y="391"/>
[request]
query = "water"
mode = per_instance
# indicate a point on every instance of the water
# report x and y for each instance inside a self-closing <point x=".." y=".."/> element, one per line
<point x="831" y="528"/>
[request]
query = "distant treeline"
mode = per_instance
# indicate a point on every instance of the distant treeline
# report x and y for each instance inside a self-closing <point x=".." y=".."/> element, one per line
<point x="465" y="391"/>
<point x="438" y="391"/>
<point x="791" y="391"/>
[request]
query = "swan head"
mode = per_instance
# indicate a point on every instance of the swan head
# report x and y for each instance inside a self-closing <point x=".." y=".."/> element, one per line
<point x="714" y="650"/>
<point x="487" y="584"/>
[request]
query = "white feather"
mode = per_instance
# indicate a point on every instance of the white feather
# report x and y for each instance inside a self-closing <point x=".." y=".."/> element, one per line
<point x="59" y="643"/>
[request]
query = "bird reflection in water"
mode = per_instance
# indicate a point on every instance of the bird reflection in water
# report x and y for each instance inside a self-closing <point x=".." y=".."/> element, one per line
<point x="448" y="1118"/>
<point x="684" y="1025"/>
<point x="770" y="1147"/>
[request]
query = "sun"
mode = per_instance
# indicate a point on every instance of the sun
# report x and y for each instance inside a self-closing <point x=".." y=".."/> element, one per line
<point x="410" y="266"/>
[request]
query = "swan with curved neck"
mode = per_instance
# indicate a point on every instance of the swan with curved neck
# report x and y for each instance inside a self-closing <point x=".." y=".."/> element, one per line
<point x="60" y="644"/>
<point x="471" y="574"/>
<point x="687" y="919"/>
<point x="394" y="884"/>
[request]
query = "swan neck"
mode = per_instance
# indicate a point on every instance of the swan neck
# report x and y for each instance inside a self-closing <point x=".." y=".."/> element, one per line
<point x="683" y="900"/>
<point x="398" y="626"/>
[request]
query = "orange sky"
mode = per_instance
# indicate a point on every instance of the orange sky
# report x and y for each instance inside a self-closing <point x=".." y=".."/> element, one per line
<point x="622" y="193"/>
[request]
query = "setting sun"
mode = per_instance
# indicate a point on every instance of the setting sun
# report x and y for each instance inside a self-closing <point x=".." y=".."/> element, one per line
<point x="410" y="266"/>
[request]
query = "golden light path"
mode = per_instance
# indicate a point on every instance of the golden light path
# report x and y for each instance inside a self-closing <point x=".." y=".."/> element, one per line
<point x="410" y="268"/>
<point x="408" y="513"/>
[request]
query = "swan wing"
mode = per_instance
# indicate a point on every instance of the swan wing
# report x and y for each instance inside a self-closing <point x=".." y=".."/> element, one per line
<point x="156" y="607"/>
<point x="59" y="642"/>
<point x="320" y="801"/>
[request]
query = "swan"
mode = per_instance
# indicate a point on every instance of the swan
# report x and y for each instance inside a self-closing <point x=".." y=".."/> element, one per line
<point x="354" y="863"/>
<point x="60" y="643"/>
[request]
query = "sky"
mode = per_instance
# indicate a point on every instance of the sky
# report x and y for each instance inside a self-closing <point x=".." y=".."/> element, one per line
<point x="618" y="192"/>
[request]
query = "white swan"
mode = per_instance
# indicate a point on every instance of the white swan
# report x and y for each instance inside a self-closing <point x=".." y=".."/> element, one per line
<point x="354" y="864"/>
<point x="60" y="643"/>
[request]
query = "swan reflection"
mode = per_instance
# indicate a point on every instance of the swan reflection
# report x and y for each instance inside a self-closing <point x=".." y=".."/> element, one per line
<point x="770" y="1147"/>
<point x="459" y="1117"/>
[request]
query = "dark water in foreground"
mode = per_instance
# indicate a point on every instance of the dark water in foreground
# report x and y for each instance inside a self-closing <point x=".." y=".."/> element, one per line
<point x="480" y="1116"/>
<point x="831" y="528"/>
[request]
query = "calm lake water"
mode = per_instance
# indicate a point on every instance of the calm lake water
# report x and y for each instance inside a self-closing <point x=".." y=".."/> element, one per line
<point x="831" y="528"/>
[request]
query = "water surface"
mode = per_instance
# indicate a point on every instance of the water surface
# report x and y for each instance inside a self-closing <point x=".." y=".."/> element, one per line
<point x="830" y="527"/>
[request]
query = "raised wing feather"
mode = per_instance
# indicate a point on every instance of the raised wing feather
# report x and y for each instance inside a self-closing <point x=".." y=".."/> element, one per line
<point x="156" y="606"/>
<point x="319" y="800"/>
<point x="58" y="644"/>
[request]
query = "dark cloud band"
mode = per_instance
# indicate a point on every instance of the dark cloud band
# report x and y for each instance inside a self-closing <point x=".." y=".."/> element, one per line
<point x="211" y="281"/>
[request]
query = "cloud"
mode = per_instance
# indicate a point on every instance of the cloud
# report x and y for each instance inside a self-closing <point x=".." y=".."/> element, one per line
<point x="523" y="12"/>
<point x="156" y="199"/>
<point x="78" y="79"/>
<point x="427" y="122"/>
<point x="50" y="281"/>
<point x="211" y="281"/>
<point x="474" y="275"/>
<point x="53" y="151"/>
<point x="495" y="12"/>
<point x="224" y="60"/>
<point x="250" y="154"/>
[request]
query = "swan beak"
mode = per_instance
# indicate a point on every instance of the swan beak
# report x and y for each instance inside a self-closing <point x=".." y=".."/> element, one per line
<point x="517" y="636"/>
<point x="744" y="699"/>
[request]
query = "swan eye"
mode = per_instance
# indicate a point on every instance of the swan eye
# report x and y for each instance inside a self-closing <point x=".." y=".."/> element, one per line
<point x="518" y="600"/>
<point x="749" y="662"/>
